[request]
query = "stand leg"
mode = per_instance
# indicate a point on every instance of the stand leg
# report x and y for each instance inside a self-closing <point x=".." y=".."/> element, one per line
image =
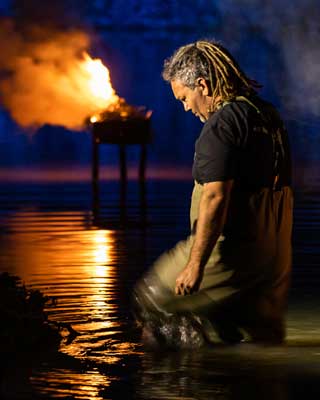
<point x="123" y="181"/>
<point x="142" y="182"/>
<point x="95" y="178"/>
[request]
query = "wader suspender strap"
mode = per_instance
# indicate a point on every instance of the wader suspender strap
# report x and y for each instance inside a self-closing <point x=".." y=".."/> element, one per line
<point x="277" y="144"/>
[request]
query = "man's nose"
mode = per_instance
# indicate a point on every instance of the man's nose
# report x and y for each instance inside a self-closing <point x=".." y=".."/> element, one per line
<point x="186" y="107"/>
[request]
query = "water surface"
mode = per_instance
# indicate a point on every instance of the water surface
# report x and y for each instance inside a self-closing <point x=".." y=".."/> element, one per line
<point x="51" y="239"/>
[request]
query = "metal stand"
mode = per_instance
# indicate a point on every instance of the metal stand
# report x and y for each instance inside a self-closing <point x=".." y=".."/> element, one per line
<point x="122" y="133"/>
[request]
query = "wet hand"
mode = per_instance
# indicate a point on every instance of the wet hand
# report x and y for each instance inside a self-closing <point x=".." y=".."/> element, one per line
<point x="188" y="280"/>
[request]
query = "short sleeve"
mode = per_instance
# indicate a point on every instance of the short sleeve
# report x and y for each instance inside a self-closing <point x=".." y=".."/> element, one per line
<point x="216" y="152"/>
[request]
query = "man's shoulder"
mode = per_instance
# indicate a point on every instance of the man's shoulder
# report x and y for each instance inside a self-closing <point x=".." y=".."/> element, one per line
<point x="229" y="124"/>
<point x="244" y="113"/>
<point x="230" y="113"/>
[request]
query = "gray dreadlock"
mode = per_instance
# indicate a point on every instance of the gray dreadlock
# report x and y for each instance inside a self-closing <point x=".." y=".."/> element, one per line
<point x="209" y="60"/>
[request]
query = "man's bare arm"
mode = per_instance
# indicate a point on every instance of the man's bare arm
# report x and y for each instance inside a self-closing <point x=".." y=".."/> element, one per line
<point x="213" y="208"/>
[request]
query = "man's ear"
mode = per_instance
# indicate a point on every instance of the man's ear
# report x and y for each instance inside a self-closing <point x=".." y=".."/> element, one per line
<point x="204" y="86"/>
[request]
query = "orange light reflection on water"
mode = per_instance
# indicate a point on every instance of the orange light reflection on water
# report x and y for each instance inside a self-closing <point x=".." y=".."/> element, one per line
<point x="102" y="255"/>
<point x="64" y="383"/>
<point x="100" y="270"/>
<point x="60" y="254"/>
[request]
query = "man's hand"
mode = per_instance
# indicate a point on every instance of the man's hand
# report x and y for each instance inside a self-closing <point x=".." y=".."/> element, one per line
<point x="189" y="279"/>
<point x="212" y="213"/>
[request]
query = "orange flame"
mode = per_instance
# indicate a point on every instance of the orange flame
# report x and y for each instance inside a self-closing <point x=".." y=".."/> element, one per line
<point x="97" y="83"/>
<point x="49" y="83"/>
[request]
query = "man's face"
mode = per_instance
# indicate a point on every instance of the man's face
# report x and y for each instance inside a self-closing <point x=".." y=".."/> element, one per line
<point x="192" y="99"/>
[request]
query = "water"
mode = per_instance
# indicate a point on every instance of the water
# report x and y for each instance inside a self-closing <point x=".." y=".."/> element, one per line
<point x="51" y="239"/>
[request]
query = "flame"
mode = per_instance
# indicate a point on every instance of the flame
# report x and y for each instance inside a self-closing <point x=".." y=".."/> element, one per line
<point x="53" y="80"/>
<point x="94" y="119"/>
<point x="98" y="85"/>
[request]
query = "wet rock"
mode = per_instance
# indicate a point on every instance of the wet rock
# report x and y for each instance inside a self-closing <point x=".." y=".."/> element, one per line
<point x="24" y="324"/>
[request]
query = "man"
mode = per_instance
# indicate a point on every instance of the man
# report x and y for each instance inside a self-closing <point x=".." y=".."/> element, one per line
<point x="232" y="273"/>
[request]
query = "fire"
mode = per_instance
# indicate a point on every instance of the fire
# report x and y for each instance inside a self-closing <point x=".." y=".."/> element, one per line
<point x="98" y="83"/>
<point x="48" y="83"/>
<point x="107" y="105"/>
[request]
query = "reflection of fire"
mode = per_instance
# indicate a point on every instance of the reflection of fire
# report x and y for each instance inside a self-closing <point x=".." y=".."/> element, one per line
<point x="102" y="249"/>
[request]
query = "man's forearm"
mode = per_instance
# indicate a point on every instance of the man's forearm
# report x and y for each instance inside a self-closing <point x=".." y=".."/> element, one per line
<point x="211" y="218"/>
<point x="212" y="213"/>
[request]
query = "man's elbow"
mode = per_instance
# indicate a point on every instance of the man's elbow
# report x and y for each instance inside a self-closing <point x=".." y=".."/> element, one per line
<point x="218" y="191"/>
<point x="216" y="196"/>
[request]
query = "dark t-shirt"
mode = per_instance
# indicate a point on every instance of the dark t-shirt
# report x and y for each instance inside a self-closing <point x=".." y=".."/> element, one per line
<point x="244" y="142"/>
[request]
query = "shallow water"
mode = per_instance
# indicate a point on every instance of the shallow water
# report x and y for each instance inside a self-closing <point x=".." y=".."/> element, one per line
<point x="51" y="239"/>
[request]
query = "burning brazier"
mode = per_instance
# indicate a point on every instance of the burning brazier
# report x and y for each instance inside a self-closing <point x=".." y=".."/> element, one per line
<point x="122" y="125"/>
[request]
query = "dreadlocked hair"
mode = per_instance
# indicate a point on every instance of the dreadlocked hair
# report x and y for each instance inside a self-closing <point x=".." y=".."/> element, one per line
<point x="211" y="61"/>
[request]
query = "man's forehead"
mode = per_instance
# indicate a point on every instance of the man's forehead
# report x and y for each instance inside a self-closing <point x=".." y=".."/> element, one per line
<point x="178" y="88"/>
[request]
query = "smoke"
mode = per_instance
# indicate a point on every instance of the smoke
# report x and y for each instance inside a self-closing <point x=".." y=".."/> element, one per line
<point x="291" y="27"/>
<point x="302" y="56"/>
<point x="40" y="79"/>
<point x="39" y="64"/>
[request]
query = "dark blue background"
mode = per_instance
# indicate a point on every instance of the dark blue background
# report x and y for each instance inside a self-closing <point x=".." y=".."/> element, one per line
<point x="275" y="43"/>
